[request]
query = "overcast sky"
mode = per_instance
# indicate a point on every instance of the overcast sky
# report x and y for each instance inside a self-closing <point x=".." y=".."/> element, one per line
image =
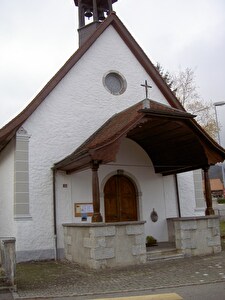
<point x="38" y="36"/>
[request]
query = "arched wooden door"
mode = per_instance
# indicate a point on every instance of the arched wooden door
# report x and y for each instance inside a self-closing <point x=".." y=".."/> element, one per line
<point x="120" y="199"/>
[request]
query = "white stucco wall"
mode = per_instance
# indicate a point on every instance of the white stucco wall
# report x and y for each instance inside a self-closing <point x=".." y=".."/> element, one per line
<point x="187" y="195"/>
<point x="154" y="190"/>
<point x="69" y="115"/>
<point x="7" y="191"/>
<point x="199" y="194"/>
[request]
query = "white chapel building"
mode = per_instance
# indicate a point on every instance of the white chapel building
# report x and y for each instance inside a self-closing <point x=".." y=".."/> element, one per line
<point x="105" y="143"/>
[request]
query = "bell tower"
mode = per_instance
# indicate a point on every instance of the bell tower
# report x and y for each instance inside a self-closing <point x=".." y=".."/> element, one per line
<point x="91" y="14"/>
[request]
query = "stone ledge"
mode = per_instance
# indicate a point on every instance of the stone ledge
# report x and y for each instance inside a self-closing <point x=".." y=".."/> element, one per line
<point x="194" y="218"/>
<point x="102" y="224"/>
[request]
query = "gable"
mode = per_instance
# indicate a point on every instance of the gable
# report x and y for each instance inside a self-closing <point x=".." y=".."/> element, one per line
<point x="105" y="55"/>
<point x="110" y="25"/>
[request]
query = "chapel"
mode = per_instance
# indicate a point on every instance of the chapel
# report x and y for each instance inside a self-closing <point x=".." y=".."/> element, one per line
<point x="104" y="156"/>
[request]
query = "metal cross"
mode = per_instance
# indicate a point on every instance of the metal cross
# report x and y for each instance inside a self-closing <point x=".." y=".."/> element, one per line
<point x="146" y="88"/>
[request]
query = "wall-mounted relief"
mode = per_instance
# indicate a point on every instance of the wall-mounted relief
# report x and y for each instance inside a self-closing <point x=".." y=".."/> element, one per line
<point x="154" y="216"/>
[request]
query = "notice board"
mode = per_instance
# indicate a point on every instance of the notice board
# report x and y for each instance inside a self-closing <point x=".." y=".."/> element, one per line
<point x="83" y="208"/>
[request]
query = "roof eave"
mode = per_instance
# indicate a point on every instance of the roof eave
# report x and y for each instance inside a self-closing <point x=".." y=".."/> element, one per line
<point x="113" y="20"/>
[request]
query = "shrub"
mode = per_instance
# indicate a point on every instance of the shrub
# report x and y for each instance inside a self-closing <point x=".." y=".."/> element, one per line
<point x="150" y="241"/>
<point x="221" y="200"/>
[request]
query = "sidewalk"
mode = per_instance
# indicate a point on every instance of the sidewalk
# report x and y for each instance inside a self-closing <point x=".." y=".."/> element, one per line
<point x="62" y="279"/>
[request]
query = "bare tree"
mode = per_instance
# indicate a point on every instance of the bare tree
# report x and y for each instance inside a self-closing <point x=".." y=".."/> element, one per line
<point x="205" y="116"/>
<point x="183" y="85"/>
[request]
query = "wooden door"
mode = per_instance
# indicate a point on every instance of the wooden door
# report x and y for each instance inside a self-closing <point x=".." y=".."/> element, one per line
<point x="120" y="199"/>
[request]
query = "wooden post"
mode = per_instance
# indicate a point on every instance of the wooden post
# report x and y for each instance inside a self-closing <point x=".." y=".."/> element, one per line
<point x="95" y="193"/>
<point x="110" y="6"/>
<point x="95" y="11"/>
<point x="208" y="196"/>
<point x="81" y="14"/>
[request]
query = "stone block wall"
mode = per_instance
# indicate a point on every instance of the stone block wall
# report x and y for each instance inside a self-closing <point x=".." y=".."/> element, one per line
<point x="8" y="259"/>
<point x="197" y="235"/>
<point x="99" y="245"/>
<point x="219" y="209"/>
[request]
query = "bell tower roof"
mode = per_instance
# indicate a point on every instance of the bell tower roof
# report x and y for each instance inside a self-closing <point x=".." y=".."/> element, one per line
<point x="91" y="14"/>
<point x="100" y="2"/>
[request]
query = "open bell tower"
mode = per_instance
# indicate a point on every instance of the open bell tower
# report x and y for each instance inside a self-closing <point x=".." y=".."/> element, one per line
<point x="91" y="14"/>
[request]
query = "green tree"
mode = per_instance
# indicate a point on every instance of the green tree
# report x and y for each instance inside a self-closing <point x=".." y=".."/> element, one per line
<point x="165" y="75"/>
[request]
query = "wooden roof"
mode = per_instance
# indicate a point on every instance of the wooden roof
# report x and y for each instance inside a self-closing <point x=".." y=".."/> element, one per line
<point x="90" y="2"/>
<point x="9" y="130"/>
<point x="216" y="185"/>
<point x="171" y="137"/>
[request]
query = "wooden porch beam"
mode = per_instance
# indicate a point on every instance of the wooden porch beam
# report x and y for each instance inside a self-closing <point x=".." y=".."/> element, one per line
<point x="208" y="195"/>
<point x="97" y="217"/>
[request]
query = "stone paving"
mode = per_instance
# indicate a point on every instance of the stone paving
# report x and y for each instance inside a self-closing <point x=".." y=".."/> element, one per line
<point x="152" y="275"/>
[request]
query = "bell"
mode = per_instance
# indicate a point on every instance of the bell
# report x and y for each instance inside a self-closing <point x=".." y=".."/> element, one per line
<point x="88" y="13"/>
<point x="101" y="15"/>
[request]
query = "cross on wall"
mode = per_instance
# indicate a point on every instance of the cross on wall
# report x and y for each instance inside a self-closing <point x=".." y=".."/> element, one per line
<point x="146" y="86"/>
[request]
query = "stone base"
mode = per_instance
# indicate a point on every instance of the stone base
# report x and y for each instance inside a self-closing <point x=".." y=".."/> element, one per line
<point x="100" y="245"/>
<point x="195" y="235"/>
<point x="8" y="259"/>
<point x="41" y="254"/>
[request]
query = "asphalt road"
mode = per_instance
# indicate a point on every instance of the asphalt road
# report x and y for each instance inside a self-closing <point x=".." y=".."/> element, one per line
<point x="212" y="291"/>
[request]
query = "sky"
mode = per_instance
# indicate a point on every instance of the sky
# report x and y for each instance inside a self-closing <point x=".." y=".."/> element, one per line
<point x="38" y="36"/>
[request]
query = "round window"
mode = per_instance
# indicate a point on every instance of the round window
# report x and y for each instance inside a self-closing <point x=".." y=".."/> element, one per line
<point x="114" y="83"/>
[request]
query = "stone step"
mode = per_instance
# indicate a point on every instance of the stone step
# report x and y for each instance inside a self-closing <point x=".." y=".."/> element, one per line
<point x="164" y="254"/>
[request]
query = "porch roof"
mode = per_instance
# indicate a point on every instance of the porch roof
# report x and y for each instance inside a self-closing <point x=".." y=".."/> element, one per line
<point x="171" y="137"/>
<point x="216" y="184"/>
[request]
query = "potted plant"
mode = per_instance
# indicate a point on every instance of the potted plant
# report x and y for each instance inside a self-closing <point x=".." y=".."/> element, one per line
<point x="150" y="241"/>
